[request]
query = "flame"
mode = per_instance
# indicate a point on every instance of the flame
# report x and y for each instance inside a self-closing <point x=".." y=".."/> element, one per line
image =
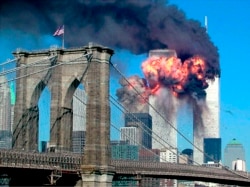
<point x="171" y="72"/>
<point x="155" y="89"/>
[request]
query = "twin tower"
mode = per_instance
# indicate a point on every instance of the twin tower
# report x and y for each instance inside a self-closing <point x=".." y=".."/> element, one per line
<point x="205" y="114"/>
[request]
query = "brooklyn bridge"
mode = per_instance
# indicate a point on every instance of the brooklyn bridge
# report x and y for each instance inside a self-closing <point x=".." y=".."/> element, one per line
<point x="62" y="71"/>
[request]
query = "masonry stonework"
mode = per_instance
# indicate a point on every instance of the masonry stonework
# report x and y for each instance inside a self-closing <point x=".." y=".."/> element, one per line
<point x="62" y="71"/>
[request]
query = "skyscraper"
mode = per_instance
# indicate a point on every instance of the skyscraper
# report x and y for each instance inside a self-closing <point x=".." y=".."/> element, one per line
<point x="5" y="114"/>
<point x="163" y="132"/>
<point x="206" y="119"/>
<point x="143" y="123"/>
<point x="234" y="150"/>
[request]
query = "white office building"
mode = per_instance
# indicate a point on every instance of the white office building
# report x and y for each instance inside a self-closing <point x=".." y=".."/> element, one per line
<point x="130" y="134"/>
<point x="169" y="155"/>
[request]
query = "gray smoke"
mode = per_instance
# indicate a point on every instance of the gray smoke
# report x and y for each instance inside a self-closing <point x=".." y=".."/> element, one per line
<point x="135" y="25"/>
<point x="133" y="94"/>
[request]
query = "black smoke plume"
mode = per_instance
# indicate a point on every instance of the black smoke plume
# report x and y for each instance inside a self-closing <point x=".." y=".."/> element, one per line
<point x="136" y="25"/>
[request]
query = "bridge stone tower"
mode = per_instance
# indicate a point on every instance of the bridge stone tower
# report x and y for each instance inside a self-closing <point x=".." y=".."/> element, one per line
<point x="62" y="70"/>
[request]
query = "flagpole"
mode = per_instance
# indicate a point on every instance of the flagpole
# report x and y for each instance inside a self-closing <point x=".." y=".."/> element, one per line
<point x="60" y="32"/>
<point x="63" y="37"/>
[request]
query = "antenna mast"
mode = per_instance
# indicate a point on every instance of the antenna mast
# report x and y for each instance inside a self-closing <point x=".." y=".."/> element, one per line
<point x="206" y="24"/>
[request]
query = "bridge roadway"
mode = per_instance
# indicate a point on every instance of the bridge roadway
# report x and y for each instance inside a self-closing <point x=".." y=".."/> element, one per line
<point x="64" y="164"/>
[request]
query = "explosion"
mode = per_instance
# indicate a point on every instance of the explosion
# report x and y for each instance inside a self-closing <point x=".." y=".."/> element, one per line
<point x="188" y="77"/>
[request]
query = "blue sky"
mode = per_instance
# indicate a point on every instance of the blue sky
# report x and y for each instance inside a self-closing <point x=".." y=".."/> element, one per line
<point x="228" y="28"/>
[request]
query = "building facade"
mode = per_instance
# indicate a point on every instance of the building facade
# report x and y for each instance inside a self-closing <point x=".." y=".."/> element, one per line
<point x="130" y="134"/>
<point x="212" y="150"/>
<point x="206" y="119"/>
<point x="143" y="123"/>
<point x="152" y="155"/>
<point x="123" y="150"/>
<point x="169" y="155"/>
<point x="233" y="151"/>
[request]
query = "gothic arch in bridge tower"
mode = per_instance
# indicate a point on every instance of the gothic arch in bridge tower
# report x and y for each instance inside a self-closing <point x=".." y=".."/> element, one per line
<point x="61" y="70"/>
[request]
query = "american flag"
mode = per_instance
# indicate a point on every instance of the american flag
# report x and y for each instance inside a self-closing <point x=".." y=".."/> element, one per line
<point x="59" y="31"/>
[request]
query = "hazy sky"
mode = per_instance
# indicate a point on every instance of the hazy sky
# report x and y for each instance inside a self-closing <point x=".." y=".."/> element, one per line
<point x="228" y="29"/>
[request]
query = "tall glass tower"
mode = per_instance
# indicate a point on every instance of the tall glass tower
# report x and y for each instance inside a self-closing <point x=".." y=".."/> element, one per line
<point x="234" y="151"/>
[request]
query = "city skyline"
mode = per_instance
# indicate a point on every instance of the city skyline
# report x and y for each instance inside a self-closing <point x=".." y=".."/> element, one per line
<point x="228" y="31"/>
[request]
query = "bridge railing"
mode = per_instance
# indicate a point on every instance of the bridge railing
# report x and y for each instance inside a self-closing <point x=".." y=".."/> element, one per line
<point x="171" y="169"/>
<point x="50" y="161"/>
<point x="70" y="162"/>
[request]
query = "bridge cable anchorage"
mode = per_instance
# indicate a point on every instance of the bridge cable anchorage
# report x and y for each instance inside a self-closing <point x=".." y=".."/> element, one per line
<point x="167" y="121"/>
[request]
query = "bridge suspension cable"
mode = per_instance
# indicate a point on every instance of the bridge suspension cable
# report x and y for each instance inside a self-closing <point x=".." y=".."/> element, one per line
<point x="45" y="69"/>
<point x="8" y="61"/>
<point x="145" y="99"/>
<point x="25" y="66"/>
<point x="166" y="120"/>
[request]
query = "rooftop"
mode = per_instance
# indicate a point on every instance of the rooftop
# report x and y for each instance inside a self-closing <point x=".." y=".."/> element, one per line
<point x="234" y="142"/>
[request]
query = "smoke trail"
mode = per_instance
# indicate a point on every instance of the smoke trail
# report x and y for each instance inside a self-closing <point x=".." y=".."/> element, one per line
<point x="138" y="26"/>
<point x="133" y="94"/>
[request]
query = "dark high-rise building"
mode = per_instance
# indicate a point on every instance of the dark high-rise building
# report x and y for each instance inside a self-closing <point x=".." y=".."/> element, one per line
<point x="142" y="121"/>
<point x="212" y="150"/>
